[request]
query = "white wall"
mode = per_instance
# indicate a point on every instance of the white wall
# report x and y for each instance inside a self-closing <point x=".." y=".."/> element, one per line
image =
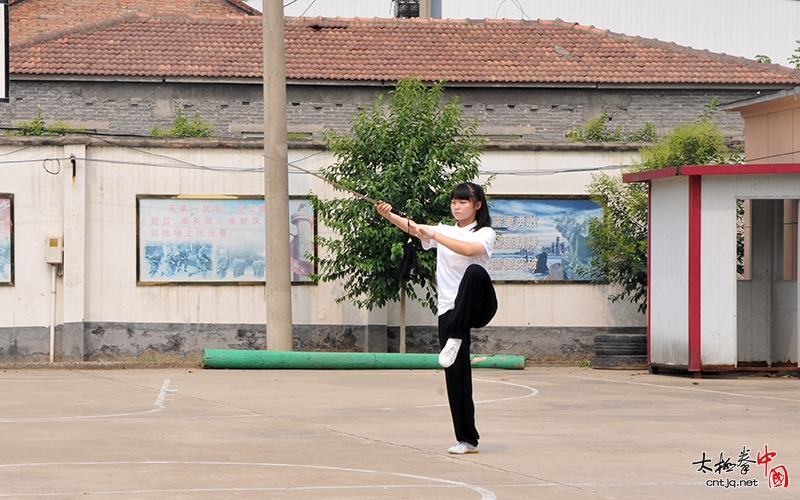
<point x="669" y="275"/>
<point x="100" y="268"/>
<point x="718" y="312"/>
<point x="38" y="203"/>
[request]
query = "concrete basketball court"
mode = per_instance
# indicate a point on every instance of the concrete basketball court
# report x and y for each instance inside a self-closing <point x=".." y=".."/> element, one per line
<point x="547" y="433"/>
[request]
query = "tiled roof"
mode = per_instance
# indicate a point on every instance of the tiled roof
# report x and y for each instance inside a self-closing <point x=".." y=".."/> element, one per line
<point x="30" y="18"/>
<point x="140" y="45"/>
<point x="466" y="52"/>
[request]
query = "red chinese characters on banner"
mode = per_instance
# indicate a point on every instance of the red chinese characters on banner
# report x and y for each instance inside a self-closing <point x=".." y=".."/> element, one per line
<point x="205" y="221"/>
<point x="191" y="239"/>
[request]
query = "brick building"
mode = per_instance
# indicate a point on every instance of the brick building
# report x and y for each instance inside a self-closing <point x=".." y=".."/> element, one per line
<point x="525" y="82"/>
<point x="132" y="67"/>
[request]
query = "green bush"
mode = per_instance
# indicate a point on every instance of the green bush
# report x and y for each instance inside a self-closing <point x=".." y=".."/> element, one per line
<point x="186" y="127"/>
<point x="37" y="126"/>
<point x="645" y="134"/>
<point x="597" y="130"/>
<point x="618" y="239"/>
<point x="297" y="136"/>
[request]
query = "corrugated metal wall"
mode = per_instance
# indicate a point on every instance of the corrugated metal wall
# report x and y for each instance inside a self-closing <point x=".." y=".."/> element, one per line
<point x="739" y="27"/>
<point x="333" y="8"/>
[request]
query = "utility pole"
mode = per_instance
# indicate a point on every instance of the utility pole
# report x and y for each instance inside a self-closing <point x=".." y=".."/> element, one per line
<point x="278" y="288"/>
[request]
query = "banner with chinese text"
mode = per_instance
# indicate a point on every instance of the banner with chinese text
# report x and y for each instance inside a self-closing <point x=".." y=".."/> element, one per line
<point x="541" y="239"/>
<point x="203" y="240"/>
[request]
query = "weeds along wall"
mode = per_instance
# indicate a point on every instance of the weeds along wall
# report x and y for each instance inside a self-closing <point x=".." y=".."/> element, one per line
<point x="108" y="305"/>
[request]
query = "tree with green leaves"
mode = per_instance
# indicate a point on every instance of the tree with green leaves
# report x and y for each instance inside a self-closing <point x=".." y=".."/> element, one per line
<point x="408" y="149"/>
<point x="618" y="240"/>
<point x="794" y="59"/>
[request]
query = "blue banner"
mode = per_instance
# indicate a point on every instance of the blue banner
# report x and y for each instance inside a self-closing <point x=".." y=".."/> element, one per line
<point x="541" y="239"/>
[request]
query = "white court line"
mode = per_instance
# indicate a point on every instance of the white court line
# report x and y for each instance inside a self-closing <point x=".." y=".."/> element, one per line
<point x="228" y="490"/>
<point x="485" y="494"/>
<point x="442" y="483"/>
<point x="163" y="393"/>
<point x="159" y="406"/>
<point x="83" y="417"/>
<point x="532" y="392"/>
<point x="695" y="389"/>
<point x="597" y="485"/>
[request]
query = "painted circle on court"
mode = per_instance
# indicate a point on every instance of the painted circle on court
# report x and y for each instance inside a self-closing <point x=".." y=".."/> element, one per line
<point x="68" y="469"/>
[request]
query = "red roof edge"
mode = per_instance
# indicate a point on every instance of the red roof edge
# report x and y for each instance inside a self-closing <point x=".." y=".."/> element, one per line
<point x="649" y="175"/>
<point x="730" y="169"/>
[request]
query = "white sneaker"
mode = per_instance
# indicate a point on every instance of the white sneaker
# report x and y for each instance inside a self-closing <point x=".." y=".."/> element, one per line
<point x="448" y="355"/>
<point x="462" y="448"/>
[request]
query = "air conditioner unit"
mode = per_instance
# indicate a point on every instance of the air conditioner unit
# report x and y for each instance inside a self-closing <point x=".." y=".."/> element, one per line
<point x="406" y="8"/>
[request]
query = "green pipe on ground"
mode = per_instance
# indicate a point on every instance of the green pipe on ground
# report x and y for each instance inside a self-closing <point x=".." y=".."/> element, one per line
<point x="227" y="358"/>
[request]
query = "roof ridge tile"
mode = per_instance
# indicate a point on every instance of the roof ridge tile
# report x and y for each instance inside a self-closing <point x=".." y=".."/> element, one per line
<point x="245" y="7"/>
<point x="682" y="49"/>
<point x="82" y="28"/>
<point x="499" y="51"/>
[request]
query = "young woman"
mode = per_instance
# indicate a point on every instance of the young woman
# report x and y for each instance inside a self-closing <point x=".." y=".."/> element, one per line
<point x="466" y="296"/>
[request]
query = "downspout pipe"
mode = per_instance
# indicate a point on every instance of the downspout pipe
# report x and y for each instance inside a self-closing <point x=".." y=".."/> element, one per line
<point x="53" y="272"/>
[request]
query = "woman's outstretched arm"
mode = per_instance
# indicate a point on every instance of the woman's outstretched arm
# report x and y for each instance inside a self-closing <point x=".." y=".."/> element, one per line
<point x="403" y="223"/>
<point x="468" y="249"/>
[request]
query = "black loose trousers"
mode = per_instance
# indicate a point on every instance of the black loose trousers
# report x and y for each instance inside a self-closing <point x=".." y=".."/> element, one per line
<point x="475" y="306"/>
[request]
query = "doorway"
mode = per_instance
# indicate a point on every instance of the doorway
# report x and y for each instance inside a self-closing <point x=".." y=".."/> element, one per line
<point x="766" y="293"/>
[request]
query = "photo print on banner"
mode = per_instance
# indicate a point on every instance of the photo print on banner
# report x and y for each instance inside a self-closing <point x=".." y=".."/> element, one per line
<point x="541" y="238"/>
<point x="6" y="239"/>
<point x="193" y="239"/>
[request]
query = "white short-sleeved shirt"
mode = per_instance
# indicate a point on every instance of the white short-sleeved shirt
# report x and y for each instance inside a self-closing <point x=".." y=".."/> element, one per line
<point x="450" y="266"/>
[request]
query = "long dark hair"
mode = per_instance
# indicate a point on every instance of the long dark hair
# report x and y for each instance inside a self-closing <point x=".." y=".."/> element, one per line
<point x="474" y="193"/>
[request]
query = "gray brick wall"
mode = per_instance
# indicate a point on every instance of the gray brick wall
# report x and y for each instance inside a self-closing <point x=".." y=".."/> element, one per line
<point x="533" y="115"/>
